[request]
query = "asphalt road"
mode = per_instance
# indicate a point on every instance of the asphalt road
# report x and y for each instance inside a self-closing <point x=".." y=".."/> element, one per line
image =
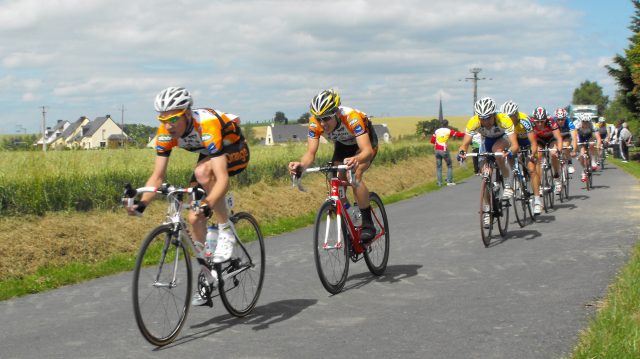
<point x="443" y="296"/>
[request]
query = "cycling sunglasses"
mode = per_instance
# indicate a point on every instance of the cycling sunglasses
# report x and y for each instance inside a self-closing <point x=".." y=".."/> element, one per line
<point x="325" y="118"/>
<point x="172" y="118"/>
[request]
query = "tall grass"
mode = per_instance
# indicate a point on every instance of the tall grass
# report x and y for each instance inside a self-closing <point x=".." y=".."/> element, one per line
<point x="36" y="183"/>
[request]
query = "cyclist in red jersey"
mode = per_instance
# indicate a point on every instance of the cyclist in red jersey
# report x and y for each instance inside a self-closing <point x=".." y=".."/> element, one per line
<point x="356" y="145"/>
<point x="548" y="135"/>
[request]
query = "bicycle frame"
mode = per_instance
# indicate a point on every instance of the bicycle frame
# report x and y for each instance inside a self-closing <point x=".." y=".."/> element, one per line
<point x="336" y="194"/>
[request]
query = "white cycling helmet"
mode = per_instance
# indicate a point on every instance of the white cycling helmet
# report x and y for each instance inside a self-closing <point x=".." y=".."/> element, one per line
<point x="585" y="117"/>
<point x="173" y="98"/>
<point x="601" y="119"/>
<point x="509" y="108"/>
<point x="485" y="107"/>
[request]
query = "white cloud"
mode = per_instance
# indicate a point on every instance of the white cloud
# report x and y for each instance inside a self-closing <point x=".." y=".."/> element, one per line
<point x="255" y="57"/>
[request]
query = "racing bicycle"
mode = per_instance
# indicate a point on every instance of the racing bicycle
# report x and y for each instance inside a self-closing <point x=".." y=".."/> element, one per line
<point x="336" y="239"/>
<point x="493" y="208"/>
<point x="162" y="278"/>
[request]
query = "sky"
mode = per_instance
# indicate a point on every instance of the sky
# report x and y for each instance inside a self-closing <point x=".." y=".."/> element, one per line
<point x="253" y="58"/>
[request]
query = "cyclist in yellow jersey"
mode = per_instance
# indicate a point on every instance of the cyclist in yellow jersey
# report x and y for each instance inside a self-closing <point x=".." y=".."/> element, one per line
<point x="356" y="145"/>
<point x="526" y="141"/>
<point x="223" y="152"/>
<point x="498" y="134"/>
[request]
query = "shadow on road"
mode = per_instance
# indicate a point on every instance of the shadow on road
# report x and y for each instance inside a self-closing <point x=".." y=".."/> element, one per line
<point x="596" y="187"/>
<point x="580" y="197"/>
<point x="570" y="206"/>
<point x="527" y="234"/>
<point x="393" y="274"/>
<point x="260" y="318"/>
<point x="545" y="218"/>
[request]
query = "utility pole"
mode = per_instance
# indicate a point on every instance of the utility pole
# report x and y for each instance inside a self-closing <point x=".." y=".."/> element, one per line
<point x="122" y="109"/>
<point x="44" y="129"/>
<point x="475" y="71"/>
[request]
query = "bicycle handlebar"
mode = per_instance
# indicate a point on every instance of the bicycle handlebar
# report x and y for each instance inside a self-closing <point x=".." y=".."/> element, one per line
<point x="496" y="154"/>
<point x="129" y="194"/>
<point x="296" y="179"/>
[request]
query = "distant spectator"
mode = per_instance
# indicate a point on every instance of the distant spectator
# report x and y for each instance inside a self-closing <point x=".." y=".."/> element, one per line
<point x="615" y="136"/>
<point x="625" y="140"/>
<point x="440" y="138"/>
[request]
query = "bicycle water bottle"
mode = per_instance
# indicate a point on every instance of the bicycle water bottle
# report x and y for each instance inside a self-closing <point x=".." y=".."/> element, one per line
<point x="211" y="241"/>
<point x="356" y="216"/>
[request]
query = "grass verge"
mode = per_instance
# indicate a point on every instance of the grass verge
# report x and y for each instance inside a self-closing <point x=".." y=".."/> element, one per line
<point x="615" y="330"/>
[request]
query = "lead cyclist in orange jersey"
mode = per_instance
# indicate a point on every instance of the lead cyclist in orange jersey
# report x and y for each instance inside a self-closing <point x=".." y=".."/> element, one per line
<point x="223" y="152"/>
<point x="356" y="145"/>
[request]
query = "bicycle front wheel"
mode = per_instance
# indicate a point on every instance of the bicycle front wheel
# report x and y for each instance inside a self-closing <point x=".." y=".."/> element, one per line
<point x="331" y="249"/>
<point x="520" y="200"/>
<point x="546" y="189"/>
<point x="243" y="274"/>
<point x="501" y="206"/>
<point x="377" y="253"/>
<point x="161" y="286"/>
<point x="486" y="211"/>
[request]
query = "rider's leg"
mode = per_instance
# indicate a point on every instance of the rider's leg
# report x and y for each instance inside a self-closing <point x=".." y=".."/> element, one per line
<point x="361" y="194"/>
<point x="499" y="146"/>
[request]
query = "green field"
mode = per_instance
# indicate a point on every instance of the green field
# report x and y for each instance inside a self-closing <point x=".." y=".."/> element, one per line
<point x="86" y="180"/>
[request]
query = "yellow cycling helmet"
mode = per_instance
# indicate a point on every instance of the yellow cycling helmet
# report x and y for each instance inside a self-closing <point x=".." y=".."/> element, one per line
<point x="325" y="103"/>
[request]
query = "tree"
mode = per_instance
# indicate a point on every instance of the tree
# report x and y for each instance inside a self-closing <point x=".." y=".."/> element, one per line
<point x="304" y="118"/>
<point x="627" y="67"/>
<point x="617" y="110"/>
<point x="140" y="133"/>
<point x="424" y="128"/>
<point x="590" y="93"/>
<point x="280" y="118"/>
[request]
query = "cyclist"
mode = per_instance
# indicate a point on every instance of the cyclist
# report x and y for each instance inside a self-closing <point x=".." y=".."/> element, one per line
<point x="356" y="145"/>
<point x="586" y="131"/>
<point x="498" y="134"/>
<point x="548" y="136"/>
<point x="569" y="136"/>
<point x="605" y="134"/>
<point x="526" y="141"/>
<point x="222" y="150"/>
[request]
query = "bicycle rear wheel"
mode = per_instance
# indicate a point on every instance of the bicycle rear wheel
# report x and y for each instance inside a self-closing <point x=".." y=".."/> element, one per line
<point x="242" y="276"/>
<point x="331" y="249"/>
<point x="377" y="253"/>
<point x="486" y="208"/>
<point x="161" y="304"/>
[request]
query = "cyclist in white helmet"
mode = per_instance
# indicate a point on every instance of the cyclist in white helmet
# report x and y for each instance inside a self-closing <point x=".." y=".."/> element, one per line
<point x="223" y="152"/>
<point x="498" y="134"/>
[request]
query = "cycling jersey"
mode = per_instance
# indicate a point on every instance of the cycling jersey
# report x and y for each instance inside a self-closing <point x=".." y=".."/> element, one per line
<point x="523" y="127"/>
<point x="503" y="125"/>
<point x="585" y="134"/>
<point x="441" y="136"/>
<point x="352" y="124"/>
<point x="210" y="134"/>
<point x="602" y="128"/>
<point x="546" y="132"/>
<point x="567" y="127"/>
<point x="207" y="134"/>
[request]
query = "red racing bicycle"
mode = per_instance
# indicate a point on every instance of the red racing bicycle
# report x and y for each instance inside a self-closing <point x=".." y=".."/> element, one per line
<point x="336" y="238"/>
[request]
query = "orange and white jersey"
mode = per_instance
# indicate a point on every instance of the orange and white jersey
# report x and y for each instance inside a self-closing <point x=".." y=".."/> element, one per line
<point x="352" y="124"/>
<point x="208" y="134"/>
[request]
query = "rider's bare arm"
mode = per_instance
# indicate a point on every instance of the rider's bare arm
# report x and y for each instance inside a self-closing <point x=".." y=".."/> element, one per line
<point x="307" y="159"/>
